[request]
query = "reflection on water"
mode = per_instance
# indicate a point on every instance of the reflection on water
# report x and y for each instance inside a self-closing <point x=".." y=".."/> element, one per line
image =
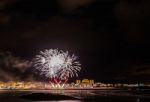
<point x="62" y="101"/>
<point x="138" y="100"/>
<point x="57" y="91"/>
<point x="70" y="101"/>
<point x="80" y="95"/>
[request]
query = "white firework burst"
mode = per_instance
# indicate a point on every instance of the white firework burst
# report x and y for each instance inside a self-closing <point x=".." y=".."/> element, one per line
<point x="57" y="64"/>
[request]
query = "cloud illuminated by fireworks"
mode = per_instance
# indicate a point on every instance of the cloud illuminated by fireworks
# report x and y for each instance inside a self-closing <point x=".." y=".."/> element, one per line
<point x="14" y="68"/>
<point x="57" y="64"/>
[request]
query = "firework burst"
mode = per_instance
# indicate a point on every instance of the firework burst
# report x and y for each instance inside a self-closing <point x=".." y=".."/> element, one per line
<point x="57" y="64"/>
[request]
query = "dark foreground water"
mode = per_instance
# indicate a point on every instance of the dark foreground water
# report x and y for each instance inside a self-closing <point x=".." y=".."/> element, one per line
<point x="72" y="96"/>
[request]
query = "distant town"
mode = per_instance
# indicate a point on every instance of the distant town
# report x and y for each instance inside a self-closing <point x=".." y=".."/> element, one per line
<point x="78" y="84"/>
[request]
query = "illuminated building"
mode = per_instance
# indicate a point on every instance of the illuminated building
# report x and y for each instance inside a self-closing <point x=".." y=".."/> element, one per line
<point x="78" y="81"/>
<point x="85" y="81"/>
<point x="91" y="81"/>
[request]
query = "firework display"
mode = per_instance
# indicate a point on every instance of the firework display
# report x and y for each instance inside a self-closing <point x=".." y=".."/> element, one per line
<point x="56" y="63"/>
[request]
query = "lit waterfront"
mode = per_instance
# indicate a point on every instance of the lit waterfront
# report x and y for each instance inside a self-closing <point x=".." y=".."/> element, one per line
<point x="45" y="86"/>
<point x="40" y="85"/>
<point x="78" y="91"/>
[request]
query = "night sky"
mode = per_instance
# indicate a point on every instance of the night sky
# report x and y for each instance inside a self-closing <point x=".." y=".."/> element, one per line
<point x="111" y="37"/>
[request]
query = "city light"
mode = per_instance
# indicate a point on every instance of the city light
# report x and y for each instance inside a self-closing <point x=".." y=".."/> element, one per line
<point x="88" y="84"/>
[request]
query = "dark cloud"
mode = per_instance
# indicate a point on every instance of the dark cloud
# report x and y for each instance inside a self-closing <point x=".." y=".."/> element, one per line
<point x="13" y="68"/>
<point x="134" y="18"/>
<point x="69" y="5"/>
<point x="135" y="74"/>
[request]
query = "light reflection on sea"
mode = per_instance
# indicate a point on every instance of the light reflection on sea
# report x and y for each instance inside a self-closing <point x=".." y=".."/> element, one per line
<point x="99" y="95"/>
<point x="62" y="101"/>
